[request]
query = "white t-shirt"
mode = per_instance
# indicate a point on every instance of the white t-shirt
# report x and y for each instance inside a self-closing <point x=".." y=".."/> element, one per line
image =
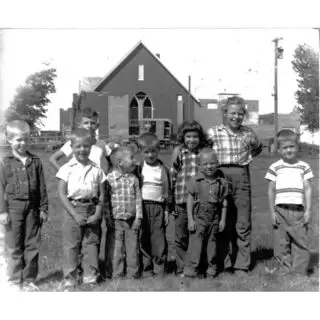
<point x="97" y="155"/>
<point x="289" y="180"/>
<point x="152" y="183"/>
<point x="83" y="180"/>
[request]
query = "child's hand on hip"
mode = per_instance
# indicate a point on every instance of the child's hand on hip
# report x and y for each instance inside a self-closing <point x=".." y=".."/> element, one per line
<point x="306" y="217"/>
<point x="4" y="218"/>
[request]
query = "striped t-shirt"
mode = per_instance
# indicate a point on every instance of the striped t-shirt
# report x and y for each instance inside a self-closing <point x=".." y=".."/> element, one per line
<point x="289" y="179"/>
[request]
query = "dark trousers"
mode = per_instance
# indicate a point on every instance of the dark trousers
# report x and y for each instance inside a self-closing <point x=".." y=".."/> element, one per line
<point x="293" y="240"/>
<point x="181" y="235"/>
<point x="203" y="240"/>
<point x="124" y="248"/>
<point x="23" y="241"/>
<point x="80" y="245"/>
<point x="154" y="247"/>
<point x="106" y="243"/>
<point x="235" y="241"/>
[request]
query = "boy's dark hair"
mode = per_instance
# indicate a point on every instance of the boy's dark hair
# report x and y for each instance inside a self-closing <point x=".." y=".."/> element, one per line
<point x="148" y="140"/>
<point x="286" y="135"/>
<point x="192" y="126"/>
<point x="235" y="100"/>
<point x="80" y="133"/>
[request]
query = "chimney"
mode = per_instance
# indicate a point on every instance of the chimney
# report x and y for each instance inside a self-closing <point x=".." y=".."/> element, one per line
<point x="158" y="55"/>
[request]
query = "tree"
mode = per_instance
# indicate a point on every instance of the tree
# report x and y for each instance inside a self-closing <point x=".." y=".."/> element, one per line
<point x="306" y="65"/>
<point x="31" y="98"/>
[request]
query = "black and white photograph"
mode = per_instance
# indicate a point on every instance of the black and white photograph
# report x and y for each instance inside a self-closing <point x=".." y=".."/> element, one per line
<point x="154" y="153"/>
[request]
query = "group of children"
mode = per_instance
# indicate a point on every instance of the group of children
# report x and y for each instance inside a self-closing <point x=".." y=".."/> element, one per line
<point x="105" y="186"/>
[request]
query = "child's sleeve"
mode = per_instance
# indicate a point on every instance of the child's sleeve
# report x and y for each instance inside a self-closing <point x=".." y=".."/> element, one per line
<point x="43" y="189"/>
<point x="66" y="148"/>
<point x="307" y="173"/>
<point x="63" y="173"/>
<point x="138" y="199"/>
<point x="102" y="177"/>
<point x="192" y="187"/>
<point x="175" y="165"/>
<point x="271" y="174"/>
<point x="225" y="187"/>
<point x="3" y="202"/>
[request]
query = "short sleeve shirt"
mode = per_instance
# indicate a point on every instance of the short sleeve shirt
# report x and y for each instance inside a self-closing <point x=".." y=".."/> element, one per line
<point x="97" y="155"/>
<point x="203" y="189"/>
<point x="82" y="180"/>
<point x="289" y="179"/>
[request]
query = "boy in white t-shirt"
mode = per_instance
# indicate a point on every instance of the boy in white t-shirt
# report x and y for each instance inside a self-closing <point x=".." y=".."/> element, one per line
<point x="289" y="196"/>
<point x="100" y="150"/>
<point x="156" y="199"/>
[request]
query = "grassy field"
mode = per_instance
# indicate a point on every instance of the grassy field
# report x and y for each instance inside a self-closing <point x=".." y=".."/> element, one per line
<point x="257" y="280"/>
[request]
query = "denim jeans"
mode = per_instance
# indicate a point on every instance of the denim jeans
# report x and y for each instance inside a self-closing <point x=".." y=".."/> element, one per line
<point x="235" y="250"/>
<point x="181" y="236"/>
<point x="154" y="246"/>
<point x="23" y="241"/>
<point x="125" y="250"/>
<point x="294" y="242"/>
<point x="80" y="245"/>
<point x="203" y="240"/>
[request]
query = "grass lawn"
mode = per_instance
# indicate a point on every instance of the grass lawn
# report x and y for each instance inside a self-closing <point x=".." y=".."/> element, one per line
<point x="257" y="279"/>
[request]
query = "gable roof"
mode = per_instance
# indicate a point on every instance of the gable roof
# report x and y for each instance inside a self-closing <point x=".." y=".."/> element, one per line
<point x="127" y="58"/>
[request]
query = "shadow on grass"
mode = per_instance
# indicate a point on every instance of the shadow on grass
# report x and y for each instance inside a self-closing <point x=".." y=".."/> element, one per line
<point x="314" y="261"/>
<point x="54" y="276"/>
<point x="260" y="255"/>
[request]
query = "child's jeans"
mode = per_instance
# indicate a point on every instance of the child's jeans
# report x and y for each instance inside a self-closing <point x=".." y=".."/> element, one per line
<point x="3" y="258"/>
<point x="80" y="245"/>
<point x="181" y="235"/>
<point x="292" y="235"/>
<point x="23" y="241"/>
<point x="125" y="250"/>
<point x="153" y="238"/>
<point x="203" y="240"/>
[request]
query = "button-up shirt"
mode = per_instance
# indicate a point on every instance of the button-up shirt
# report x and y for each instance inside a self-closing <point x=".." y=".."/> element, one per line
<point x="82" y="180"/>
<point x="22" y="181"/>
<point x="185" y="164"/>
<point x="125" y="195"/>
<point x="208" y="190"/>
<point x="234" y="147"/>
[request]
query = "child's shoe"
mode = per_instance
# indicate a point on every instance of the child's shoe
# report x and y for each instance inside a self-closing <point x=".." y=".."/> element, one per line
<point x="90" y="280"/>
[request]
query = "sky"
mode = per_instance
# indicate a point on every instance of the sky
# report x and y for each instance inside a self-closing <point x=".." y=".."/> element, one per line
<point x="218" y="60"/>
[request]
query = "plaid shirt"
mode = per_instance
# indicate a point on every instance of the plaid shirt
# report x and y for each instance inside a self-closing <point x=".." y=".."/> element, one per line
<point x="125" y="195"/>
<point x="185" y="164"/>
<point x="234" y="148"/>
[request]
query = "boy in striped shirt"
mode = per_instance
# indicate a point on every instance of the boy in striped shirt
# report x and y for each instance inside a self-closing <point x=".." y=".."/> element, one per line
<point x="289" y="196"/>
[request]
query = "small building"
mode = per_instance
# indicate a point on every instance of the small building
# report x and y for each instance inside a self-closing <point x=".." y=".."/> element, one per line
<point x="138" y="87"/>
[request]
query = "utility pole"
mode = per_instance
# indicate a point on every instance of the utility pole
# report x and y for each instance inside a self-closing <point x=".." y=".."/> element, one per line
<point x="278" y="54"/>
<point x="189" y="99"/>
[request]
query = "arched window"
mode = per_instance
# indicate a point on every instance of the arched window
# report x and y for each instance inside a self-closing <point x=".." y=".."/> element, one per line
<point x="140" y="108"/>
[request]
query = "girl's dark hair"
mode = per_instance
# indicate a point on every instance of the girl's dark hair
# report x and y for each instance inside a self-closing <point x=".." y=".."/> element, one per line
<point x="192" y="126"/>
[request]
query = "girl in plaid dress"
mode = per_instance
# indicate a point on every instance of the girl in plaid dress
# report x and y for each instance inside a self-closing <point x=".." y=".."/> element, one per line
<point x="185" y="164"/>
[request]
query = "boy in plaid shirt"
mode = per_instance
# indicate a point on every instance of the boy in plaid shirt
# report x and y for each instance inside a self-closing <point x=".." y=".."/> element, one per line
<point x="124" y="214"/>
<point x="185" y="164"/>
